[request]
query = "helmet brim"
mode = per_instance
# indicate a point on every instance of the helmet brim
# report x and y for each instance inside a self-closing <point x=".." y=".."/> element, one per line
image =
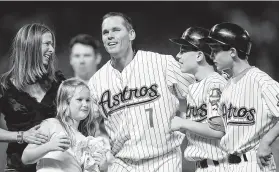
<point x="182" y="42"/>
<point x="209" y="40"/>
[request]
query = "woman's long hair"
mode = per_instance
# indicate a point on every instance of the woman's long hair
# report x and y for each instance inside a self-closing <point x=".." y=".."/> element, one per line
<point x="27" y="59"/>
<point x="65" y="92"/>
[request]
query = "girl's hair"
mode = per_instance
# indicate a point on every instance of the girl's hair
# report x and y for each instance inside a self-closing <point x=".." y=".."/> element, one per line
<point x="26" y="57"/>
<point x="64" y="95"/>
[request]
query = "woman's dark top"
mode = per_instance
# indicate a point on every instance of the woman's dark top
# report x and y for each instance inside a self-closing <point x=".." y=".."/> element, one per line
<point x="23" y="112"/>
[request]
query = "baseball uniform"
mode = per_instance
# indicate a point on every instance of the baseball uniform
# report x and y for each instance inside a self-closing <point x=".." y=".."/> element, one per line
<point x="202" y="105"/>
<point x="137" y="105"/>
<point x="249" y="107"/>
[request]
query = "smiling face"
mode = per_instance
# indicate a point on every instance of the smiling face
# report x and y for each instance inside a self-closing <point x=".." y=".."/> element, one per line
<point x="80" y="103"/>
<point x="47" y="47"/>
<point x="116" y="37"/>
<point x="187" y="59"/>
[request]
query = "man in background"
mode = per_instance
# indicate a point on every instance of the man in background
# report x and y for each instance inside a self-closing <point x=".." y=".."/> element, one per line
<point x="84" y="56"/>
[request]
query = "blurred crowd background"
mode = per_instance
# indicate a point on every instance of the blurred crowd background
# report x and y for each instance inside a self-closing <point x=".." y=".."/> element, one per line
<point x="155" y="22"/>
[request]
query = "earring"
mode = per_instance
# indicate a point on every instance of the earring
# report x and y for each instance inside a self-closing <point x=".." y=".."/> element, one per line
<point x="232" y="54"/>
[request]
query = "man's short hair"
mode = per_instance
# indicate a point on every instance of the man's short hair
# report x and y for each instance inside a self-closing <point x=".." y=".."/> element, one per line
<point x="86" y="40"/>
<point x="127" y="20"/>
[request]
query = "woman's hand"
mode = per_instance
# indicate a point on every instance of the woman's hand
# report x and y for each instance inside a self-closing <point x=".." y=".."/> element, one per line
<point x="59" y="143"/>
<point x="34" y="136"/>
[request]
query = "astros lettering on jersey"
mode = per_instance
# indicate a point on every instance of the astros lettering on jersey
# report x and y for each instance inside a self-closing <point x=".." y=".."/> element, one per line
<point x="139" y="102"/>
<point x="249" y="107"/>
<point x="203" y="101"/>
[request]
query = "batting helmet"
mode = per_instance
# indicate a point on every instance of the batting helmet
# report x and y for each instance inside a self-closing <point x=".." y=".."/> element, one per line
<point x="230" y="34"/>
<point x="191" y="37"/>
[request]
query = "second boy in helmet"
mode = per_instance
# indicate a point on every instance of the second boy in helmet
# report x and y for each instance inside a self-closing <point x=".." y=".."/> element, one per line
<point x="249" y="103"/>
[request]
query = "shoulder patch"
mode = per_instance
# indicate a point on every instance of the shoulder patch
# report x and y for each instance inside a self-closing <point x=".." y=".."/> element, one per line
<point x="214" y="96"/>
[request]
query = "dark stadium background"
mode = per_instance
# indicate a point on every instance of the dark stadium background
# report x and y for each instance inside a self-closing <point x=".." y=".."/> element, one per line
<point x="155" y="22"/>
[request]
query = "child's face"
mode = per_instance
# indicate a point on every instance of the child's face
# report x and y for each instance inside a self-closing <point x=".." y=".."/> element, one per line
<point x="187" y="58"/>
<point x="80" y="104"/>
<point x="221" y="56"/>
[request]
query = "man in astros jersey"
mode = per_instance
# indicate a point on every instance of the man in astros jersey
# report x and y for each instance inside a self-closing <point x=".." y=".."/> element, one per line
<point x="249" y="103"/>
<point x="202" y="102"/>
<point x="137" y="93"/>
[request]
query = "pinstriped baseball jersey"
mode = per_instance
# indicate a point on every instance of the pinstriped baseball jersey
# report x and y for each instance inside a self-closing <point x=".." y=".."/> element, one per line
<point x="249" y="107"/>
<point x="203" y="99"/>
<point x="139" y="102"/>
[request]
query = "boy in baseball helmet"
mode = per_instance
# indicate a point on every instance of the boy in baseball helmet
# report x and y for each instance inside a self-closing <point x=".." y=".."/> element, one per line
<point x="202" y="103"/>
<point x="249" y="102"/>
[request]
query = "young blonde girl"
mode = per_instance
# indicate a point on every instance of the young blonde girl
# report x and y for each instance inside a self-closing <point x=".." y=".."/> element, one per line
<point x="71" y="146"/>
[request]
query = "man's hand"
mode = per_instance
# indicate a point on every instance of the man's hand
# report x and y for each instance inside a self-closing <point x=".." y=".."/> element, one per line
<point x="264" y="154"/>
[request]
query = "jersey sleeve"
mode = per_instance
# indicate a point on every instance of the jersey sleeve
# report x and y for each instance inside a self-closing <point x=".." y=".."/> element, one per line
<point x="216" y="123"/>
<point x="270" y="94"/>
<point x="213" y="96"/>
<point x="94" y="101"/>
<point x="177" y="81"/>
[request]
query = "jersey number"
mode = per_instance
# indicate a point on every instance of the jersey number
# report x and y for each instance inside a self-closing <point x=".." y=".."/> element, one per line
<point x="150" y="111"/>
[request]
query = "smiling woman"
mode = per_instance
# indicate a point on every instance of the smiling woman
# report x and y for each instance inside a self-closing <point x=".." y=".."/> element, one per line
<point x="28" y="91"/>
<point x="47" y="47"/>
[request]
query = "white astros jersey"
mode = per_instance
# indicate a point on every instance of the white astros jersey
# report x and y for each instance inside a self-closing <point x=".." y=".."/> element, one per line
<point x="250" y="107"/>
<point x="138" y="103"/>
<point x="203" y="100"/>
